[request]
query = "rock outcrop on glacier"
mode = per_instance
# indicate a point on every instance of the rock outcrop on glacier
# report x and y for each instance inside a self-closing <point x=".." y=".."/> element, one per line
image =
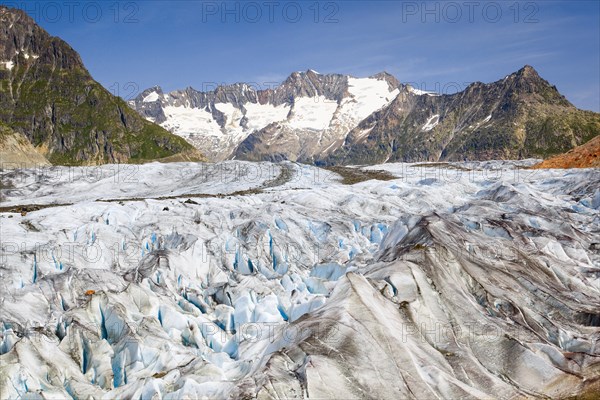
<point x="470" y="280"/>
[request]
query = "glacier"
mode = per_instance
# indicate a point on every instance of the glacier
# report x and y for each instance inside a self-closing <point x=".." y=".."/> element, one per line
<point x="276" y="280"/>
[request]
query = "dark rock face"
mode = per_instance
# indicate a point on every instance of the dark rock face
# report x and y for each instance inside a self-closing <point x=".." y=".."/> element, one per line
<point x="47" y="94"/>
<point x="151" y="109"/>
<point x="519" y="116"/>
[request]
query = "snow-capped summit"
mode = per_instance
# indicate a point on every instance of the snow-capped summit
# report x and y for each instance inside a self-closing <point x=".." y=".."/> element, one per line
<point x="314" y="110"/>
<point x="339" y="119"/>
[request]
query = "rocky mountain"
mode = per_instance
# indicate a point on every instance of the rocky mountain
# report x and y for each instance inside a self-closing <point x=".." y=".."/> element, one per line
<point x="337" y="119"/>
<point x="517" y="117"/>
<point x="47" y="95"/>
<point x="585" y="156"/>
<point x="301" y="118"/>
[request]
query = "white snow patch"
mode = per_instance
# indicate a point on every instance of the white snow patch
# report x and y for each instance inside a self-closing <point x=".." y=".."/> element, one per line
<point x="312" y="113"/>
<point x="261" y="115"/>
<point x="232" y="114"/>
<point x="369" y="95"/>
<point x="420" y="92"/>
<point x="151" y="97"/>
<point x="184" y="120"/>
<point x="431" y="123"/>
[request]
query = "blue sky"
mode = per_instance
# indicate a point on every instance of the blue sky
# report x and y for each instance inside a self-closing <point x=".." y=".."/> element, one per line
<point x="442" y="46"/>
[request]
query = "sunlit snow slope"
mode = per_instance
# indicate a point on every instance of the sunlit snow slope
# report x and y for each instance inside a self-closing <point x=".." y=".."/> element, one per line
<point x="477" y="280"/>
<point x="309" y="114"/>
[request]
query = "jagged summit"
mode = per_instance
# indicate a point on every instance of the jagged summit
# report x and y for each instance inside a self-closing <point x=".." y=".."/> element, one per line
<point x="11" y="15"/>
<point x="389" y="78"/>
<point x="527" y="83"/>
<point x="519" y="116"/>
<point x="528" y="71"/>
<point x="23" y="42"/>
<point x="340" y="119"/>
<point x="220" y="120"/>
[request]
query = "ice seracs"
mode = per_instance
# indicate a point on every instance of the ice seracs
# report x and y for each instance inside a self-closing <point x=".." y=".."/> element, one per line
<point x="292" y="282"/>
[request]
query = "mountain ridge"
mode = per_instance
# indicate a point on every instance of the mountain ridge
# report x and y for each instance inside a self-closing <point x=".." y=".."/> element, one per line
<point x="217" y="121"/>
<point x="519" y="116"/>
<point x="48" y="95"/>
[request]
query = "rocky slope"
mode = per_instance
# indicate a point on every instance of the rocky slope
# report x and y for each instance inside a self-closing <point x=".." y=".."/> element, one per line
<point x="336" y="119"/>
<point x="520" y="116"/>
<point x="47" y="95"/>
<point x="16" y="151"/>
<point x="585" y="156"/>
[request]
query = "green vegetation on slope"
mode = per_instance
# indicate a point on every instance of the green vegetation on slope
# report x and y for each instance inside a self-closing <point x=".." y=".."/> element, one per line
<point x="50" y="97"/>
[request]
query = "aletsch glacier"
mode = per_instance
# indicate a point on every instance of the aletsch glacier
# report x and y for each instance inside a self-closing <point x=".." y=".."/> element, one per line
<point x="274" y="280"/>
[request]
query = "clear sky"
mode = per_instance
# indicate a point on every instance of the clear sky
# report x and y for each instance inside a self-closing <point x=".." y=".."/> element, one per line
<point x="441" y="46"/>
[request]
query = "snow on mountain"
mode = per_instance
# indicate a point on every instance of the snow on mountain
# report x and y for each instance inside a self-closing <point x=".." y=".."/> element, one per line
<point x="333" y="119"/>
<point x="151" y="97"/>
<point x="368" y="95"/>
<point x="420" y="92"/>
<point x="431" y="123"/>
<point x="317" y="126"/>
<point x="312" y="113"/>
<point x="190" y="121"/>
<point x="461" y="280"/>
<point x="261" y="115"/>
<point x="307" y="102"/>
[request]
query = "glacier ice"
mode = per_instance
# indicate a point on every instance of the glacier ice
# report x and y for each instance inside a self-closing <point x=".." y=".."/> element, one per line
<point x="476" y="282"/>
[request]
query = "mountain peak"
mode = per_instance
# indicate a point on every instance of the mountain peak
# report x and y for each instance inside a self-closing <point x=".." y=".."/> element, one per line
<point x="87" y="124"/>
<point x="23" y="42"/>
<point x="7" y="12"/>
<point x="389" y="78"/>
<point x="528" y="72"/>
<point x="529" y="83"/>
<point x="155" y="89"/>
<point x="12" y="19"/>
